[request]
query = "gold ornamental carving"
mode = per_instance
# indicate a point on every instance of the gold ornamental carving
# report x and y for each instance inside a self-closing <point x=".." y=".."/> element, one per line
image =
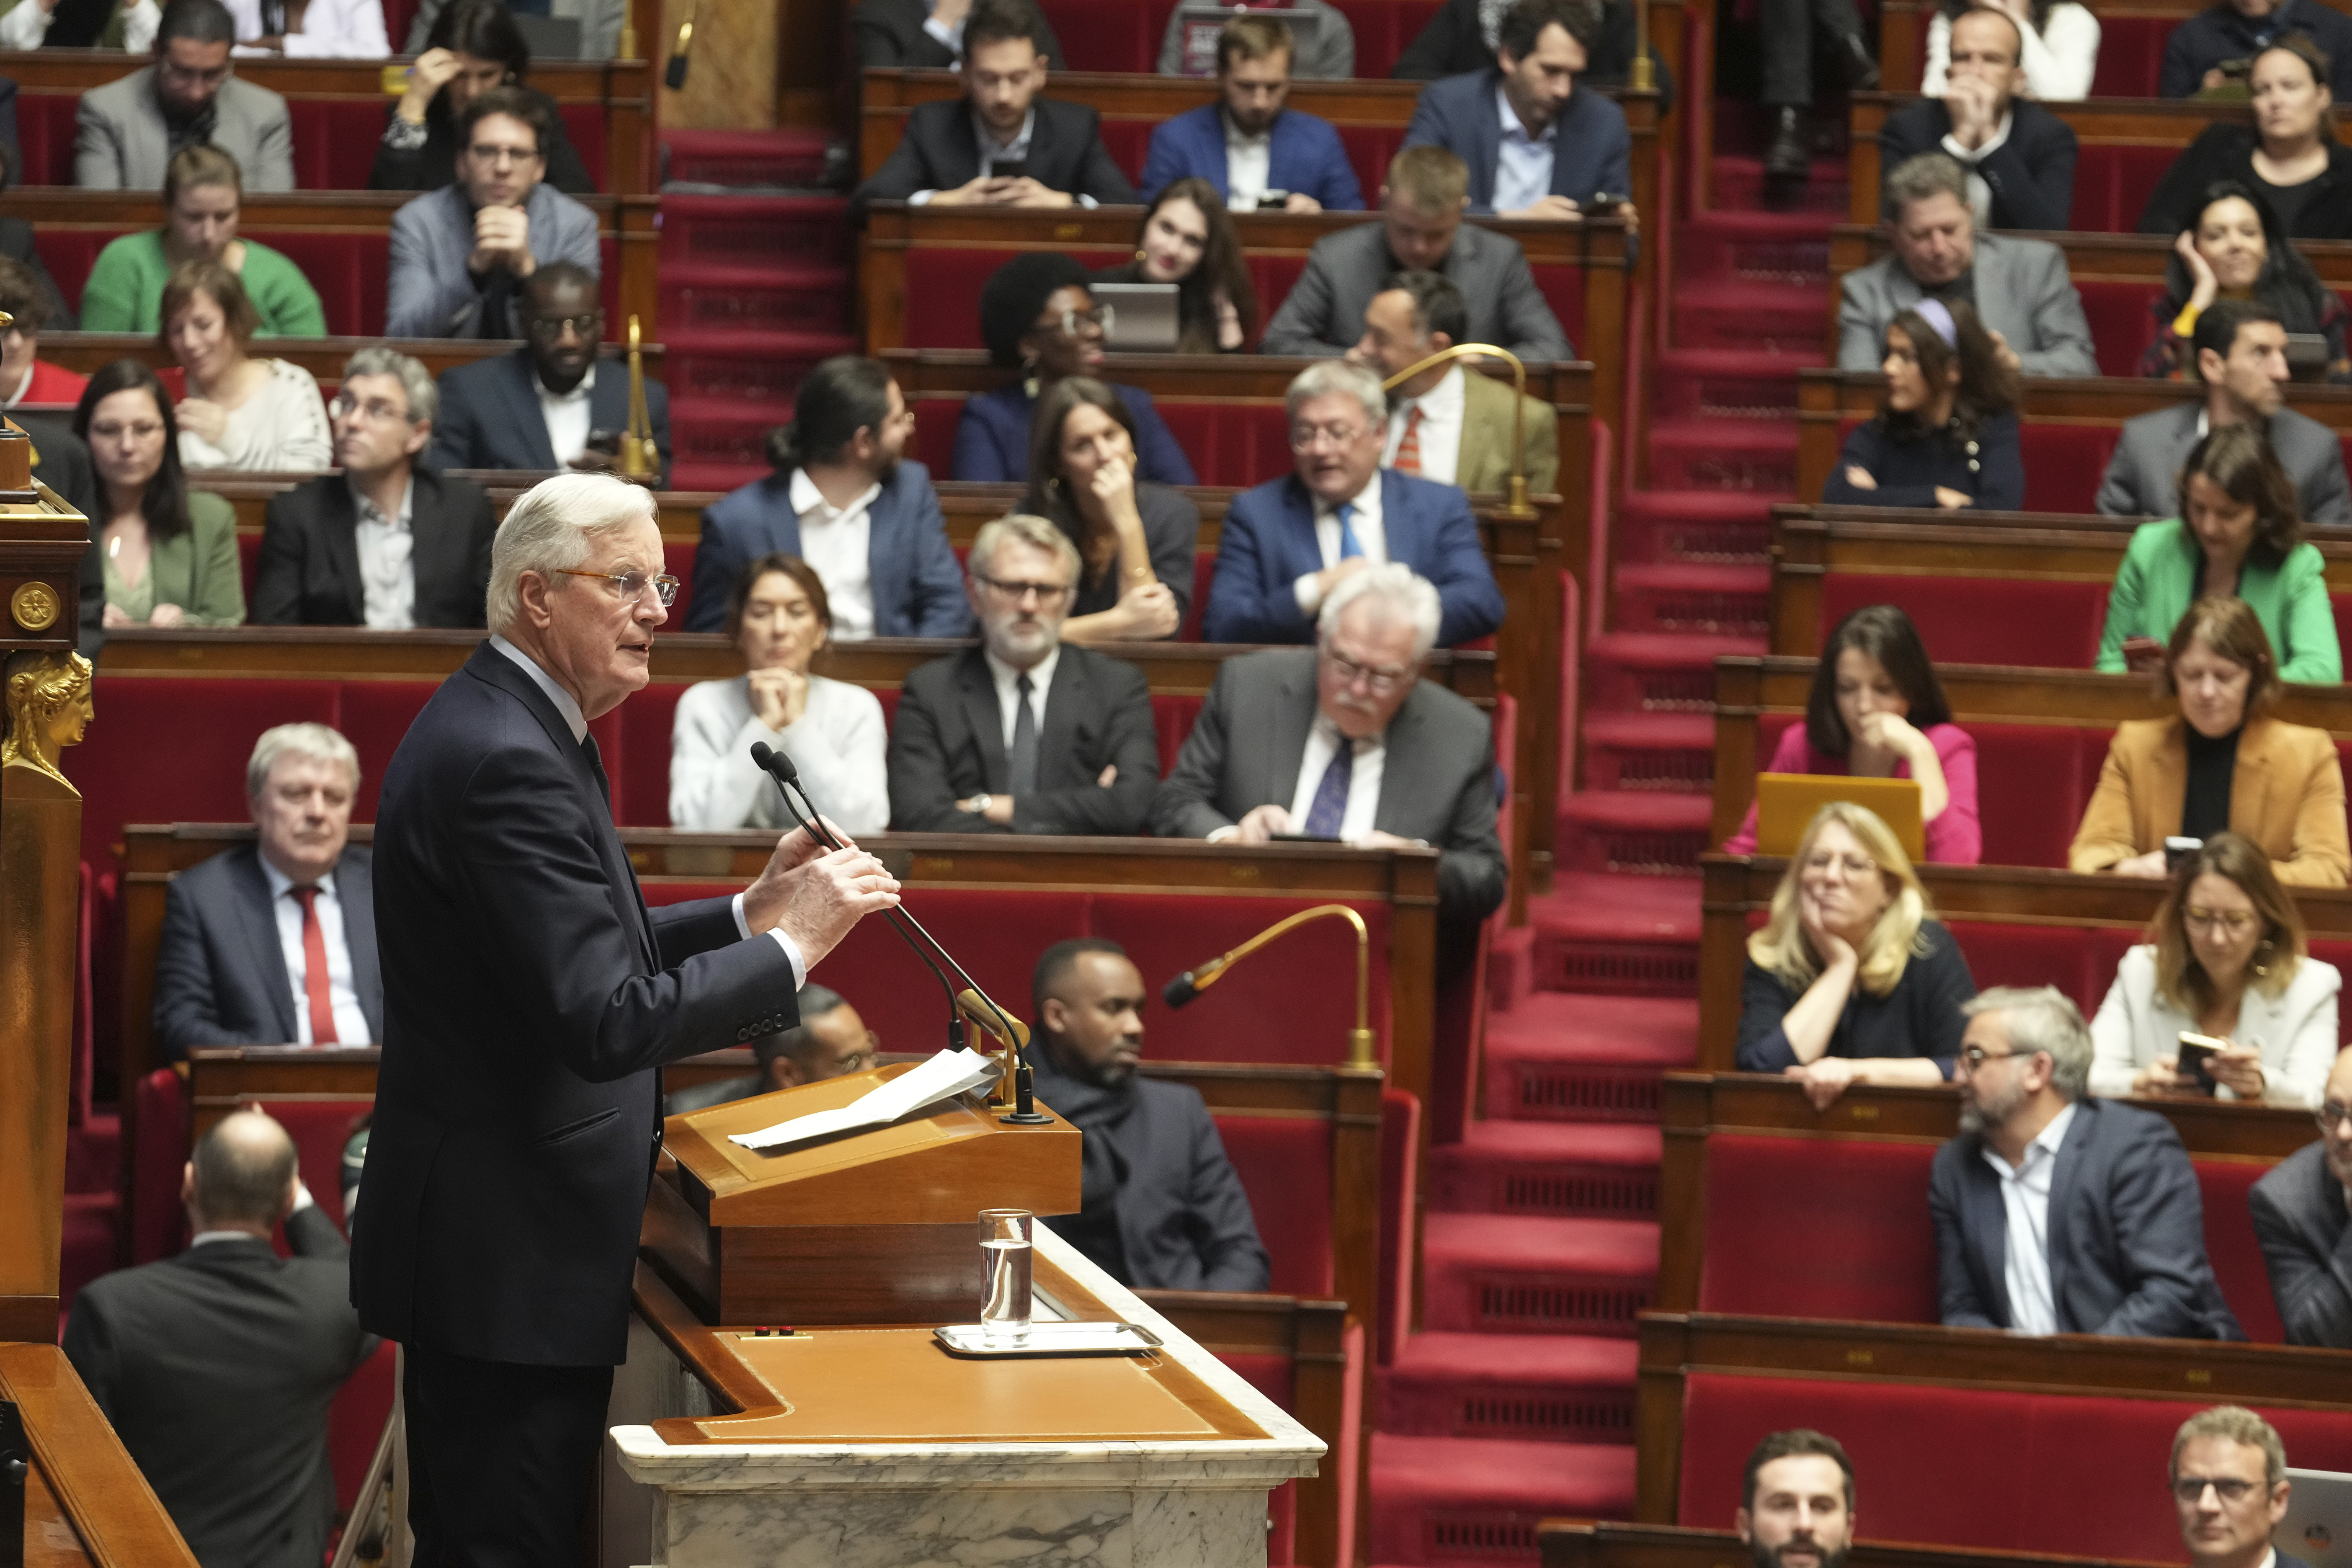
<point x="36" y="606"/>
<point x="47" y="706"/>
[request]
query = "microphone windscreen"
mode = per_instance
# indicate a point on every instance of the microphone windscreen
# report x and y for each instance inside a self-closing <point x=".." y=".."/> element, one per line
<point x="781" y="764"/>
<point x="762" y="754"/>
<point x="1179" y="991"/>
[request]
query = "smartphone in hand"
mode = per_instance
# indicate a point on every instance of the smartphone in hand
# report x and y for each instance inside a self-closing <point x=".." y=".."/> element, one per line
<point x="2197" y="1053"/>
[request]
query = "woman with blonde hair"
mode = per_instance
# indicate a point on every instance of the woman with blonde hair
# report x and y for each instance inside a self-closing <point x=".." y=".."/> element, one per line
<point x="1851" y="979"/>
<point x="2225" y="957"/>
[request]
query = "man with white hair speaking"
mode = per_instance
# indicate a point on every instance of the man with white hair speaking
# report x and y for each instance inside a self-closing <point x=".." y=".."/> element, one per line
<point x="1347" y="743"/>
<point x="530" y="997"/>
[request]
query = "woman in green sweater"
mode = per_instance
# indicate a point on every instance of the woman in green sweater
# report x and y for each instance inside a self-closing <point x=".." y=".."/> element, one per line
<point x="2240" y="534"/>
<point x="170" y="553"/>
<point x="202" y="190"/>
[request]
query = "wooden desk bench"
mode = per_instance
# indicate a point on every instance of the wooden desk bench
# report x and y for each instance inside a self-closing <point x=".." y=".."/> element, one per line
<point x="1582" y="1543"/>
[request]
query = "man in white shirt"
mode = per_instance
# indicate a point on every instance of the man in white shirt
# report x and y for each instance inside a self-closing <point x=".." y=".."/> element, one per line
<point x="273" y="942"/>
<point x="1449" y="424"/>
<point x="2230" y="1488"/>
<point x="2056" y="1213"/>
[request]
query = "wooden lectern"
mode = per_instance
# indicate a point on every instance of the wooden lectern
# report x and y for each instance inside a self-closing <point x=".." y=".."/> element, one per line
<point x="868" y="1228"/>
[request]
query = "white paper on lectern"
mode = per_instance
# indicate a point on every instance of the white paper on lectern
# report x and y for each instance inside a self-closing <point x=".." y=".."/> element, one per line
<point x="943" y="1077"/>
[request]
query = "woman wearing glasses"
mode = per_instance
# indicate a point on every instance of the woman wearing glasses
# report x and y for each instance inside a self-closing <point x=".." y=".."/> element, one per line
<point x="1036" y="312"/>
<point x="1850" y="980"/>
<point x="1135" y="539"/>
<point x="170" y="553"/>
<point x="2219" y="765"/>
<point x="778" y="618"/>
<point x="2225" y="958"/>
<point x="257" y="415"/>
<point x="1876" y="711"/>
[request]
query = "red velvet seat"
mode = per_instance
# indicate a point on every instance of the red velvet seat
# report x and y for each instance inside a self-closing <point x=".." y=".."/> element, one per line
<point x="2032" y="782"/>
<point x="1983" y="620"/>
<point x="2111" y="184"/>
<point x="2123" y="323"/>
<point x="1870" y="1251"/>
<point x="1127" y="38"/>
<point x="1912" y="1443"/>
<point x="2063" y="462"/>
<point x="2131" y="57"/>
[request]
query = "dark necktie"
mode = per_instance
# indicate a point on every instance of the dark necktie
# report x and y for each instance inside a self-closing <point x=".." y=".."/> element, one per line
<point x="1329" y="807"/>
<point x="316" y="994"/>
<point x="1021" y="778"/>
<point x="596" y="767"/>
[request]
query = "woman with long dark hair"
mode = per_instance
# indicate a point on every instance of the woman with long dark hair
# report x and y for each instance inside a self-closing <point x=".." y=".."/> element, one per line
<point x="170" y="553"/>
<point x="1188" y="239"/>
<point x="2288" y="156"/>
<point x="1135" y="539"/>
<point x="474" y="46"/>
<point x="2234" y="249"/>
<point x="2058" y="46"/>
<point x="1946" y="431"/>
<point x="1876" y="711"/>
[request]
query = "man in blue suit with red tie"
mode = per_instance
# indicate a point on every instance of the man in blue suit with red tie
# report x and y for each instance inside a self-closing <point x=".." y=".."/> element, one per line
<point x="1286" y="544"/>
<point x="1247" y="144"/>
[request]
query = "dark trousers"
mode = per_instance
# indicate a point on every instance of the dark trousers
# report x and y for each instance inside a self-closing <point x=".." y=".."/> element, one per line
<point x="1788" y="31"/>
<point x="503" y="1461"/>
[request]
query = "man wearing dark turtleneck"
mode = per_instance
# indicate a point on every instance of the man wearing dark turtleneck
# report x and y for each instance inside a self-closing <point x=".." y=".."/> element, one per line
<point x="1161" y="1207"/>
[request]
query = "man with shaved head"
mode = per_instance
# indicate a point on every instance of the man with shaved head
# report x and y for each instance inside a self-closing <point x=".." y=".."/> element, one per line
<point x="218" y="1367"/>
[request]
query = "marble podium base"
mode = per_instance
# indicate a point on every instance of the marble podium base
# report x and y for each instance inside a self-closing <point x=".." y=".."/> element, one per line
<point x="945" y="1504"/>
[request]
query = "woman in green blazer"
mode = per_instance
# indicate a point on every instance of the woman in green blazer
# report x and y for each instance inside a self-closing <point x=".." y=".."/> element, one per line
<point x="2240" y="534"/>
<point x="171" y="556"/>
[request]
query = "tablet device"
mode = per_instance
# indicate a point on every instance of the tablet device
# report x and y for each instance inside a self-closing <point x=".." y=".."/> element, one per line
<point x="1143" y="317"/>
<point x="2318" y="1524"/>
<point x="1786" y="804"/>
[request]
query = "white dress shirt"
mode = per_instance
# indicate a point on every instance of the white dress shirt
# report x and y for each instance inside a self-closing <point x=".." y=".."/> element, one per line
<point x="2059" y="61"/>
<point x="342" y="994"/>
<point x="1249" y="163"/>
<point x="1323" y="742"/>
<point x="1041" y="680"/>
<point x="1979" y="193"/>
<point x="569" y="418"/>
<point x="26" y="24"/>
<point x="578" y="723"/>
<point x="950" y="36"/>
<point x="1371" y="537"/>
<point x="1522" y="162"/>
<point x="837" y="542"/>
<point x="1442" y="414"/>
<point x="2025" y="1200"/>
<point x="387" y="560"/>
<point x="332" y="30"/>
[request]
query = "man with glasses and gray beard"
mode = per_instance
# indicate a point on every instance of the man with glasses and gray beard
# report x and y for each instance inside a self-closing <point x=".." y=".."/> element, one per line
<point x="2301" y="1211"/>
<point x="1347" y="743"/>
<point x="2055" y="1213"/>
<point x="1796" y="1508"/>
<point x="1025" y="733"/>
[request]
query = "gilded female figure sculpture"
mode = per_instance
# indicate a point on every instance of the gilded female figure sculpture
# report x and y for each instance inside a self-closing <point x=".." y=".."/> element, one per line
<point x="47" y="708"/>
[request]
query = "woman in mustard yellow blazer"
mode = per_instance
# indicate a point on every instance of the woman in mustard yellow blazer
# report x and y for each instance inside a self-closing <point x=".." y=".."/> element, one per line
<point x="2219" y="765"/>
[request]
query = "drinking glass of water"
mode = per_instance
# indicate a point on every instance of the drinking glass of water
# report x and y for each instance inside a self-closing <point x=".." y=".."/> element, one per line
<point x="1004" y="1243"/>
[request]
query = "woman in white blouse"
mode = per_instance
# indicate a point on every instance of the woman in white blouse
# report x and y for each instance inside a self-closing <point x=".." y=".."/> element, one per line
<point x="261" y="415"/>
<point x="2061" y="46"/>
<point x="2228" y="961"/>
<point x="832" y="730"/>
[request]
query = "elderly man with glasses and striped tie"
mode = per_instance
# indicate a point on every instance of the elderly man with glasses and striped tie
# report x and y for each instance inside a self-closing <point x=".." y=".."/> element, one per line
<point x="1347" y="743"/>
<point x="1025" y="733"/>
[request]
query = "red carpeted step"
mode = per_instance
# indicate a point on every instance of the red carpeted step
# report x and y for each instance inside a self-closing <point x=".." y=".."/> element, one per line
<point x="1739" y="183"/>
<point x="761" y="230"/>
<point x="741" y="297"/>
<point x="1694" y="597"/>
<point x="1640" y="834"/>
<point x="1650" y="753"/>
<point x="1754" y="246"/>
<point x="1583" y="1058"/>
<point x="1749" y="456"/>
<point x="1548" y="1170"/>
<point x="1756" y="383"/>
<point x="1510" y="968"/>
<point x="1451" y="1502"/>
<point x="1549" y="1388"/>
<point x="1787" y="319"/>
<point x="1651" y="673"/>
<point x="1619" y="936"/>
<point x="1500" y="1275"/>
<point x="1711" y="526"/>
<point x="788" y="156"/>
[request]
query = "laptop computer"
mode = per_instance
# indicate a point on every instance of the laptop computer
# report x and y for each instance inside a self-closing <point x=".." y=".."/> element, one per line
<point x="2318" y="1524"/>
<point x="1786" y="804"/>
<point x="1202" y="21"/>
<point x="1142" y="317"/>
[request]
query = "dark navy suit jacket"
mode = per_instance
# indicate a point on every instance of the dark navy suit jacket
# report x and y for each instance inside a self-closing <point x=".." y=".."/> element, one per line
<point x="530" y="997"/>
<point x="490" y="416"/>
<point x="2127" y="1233"/>
<point x="1268" y="543"/>
<point x="918" y="587"/>
<point x="991" y="442"/>
<point x="1592" y="150"/>
<point x="1304" y="156"/>
<point x="220" y="974"/>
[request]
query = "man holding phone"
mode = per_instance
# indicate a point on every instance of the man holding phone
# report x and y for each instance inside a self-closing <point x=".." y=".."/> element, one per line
<point x="1256" y="149"/>
<point x="1000" y="144"/>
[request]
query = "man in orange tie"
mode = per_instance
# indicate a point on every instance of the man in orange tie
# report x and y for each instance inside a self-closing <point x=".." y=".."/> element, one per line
<point x="274" y="943"/>
<point x="1450" y="423"/>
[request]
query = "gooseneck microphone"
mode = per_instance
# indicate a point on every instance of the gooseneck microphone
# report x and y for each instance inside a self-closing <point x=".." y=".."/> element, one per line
<point x="972" y="1002"/>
